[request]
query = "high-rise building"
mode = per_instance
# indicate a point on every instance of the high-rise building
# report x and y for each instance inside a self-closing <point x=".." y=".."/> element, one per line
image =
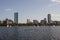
<point x="16" y="17"/>
<point x="49" y="18"/>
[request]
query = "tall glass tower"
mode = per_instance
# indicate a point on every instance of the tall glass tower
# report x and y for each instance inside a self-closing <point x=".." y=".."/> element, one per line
<point x="49" y="18"/>
<point x="16" y="17"/>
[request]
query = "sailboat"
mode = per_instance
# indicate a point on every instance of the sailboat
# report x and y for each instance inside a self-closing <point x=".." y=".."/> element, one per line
<point x="10" y="25"/>
<point x="7" y="25"/>
<point x="53" y="25"/>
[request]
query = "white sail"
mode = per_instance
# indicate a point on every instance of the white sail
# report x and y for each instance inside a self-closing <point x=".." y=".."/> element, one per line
<point x="7" y="25"/>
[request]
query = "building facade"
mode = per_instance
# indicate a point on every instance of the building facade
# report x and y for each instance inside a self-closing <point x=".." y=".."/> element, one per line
<point x="16" y="17"/>
<point x="43" y="22"/>
<point x="49" y="18"/>
<point x="28" y="21"/>
<point x="35" y="22"/>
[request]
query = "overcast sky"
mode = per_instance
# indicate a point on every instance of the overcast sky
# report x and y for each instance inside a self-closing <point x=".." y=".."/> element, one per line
<point x="29" y="9"/>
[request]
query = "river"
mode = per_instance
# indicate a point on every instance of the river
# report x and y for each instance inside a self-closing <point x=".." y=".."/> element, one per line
<point x="30" y="33"/>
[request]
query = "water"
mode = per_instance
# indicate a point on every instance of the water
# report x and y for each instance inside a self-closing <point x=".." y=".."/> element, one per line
<point x="30" y="33"/>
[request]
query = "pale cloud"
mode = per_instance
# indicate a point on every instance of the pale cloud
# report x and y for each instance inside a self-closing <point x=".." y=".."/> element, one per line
<point x="8" y="10"/>
<point x="55" y="16"/>
<point x="58" y="1"/>
<point x="55" y="2"/>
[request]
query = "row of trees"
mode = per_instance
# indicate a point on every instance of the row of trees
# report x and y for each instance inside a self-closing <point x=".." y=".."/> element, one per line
<point x="30" y="24"/>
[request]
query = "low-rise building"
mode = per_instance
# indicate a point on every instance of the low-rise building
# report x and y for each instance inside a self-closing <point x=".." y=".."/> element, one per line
<point x="35" y="22"/>
<point x="43" y="22"/>
<point x="56" y="22"/>
<point x="29" y="21"/>
<point x="7" y="21"/>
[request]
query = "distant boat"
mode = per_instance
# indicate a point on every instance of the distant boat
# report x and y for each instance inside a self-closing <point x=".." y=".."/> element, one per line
<point x="53" y="25"/>
<point x="10" y="26"/>
<point x="7" y="25"/>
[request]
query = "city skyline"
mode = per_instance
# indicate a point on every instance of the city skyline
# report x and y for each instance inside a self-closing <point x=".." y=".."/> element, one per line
<point x="30" y="9"/>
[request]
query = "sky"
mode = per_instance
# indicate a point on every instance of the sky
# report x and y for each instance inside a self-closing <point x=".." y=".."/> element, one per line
<point x="30" y="9"/>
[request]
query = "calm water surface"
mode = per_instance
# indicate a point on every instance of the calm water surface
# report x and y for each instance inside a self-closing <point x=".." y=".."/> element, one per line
<point x="30" y="33"/>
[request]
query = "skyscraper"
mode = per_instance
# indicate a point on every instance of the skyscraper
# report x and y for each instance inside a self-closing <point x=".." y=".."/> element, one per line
<point x="49" y="18"/>
<point x="16" y="17"/>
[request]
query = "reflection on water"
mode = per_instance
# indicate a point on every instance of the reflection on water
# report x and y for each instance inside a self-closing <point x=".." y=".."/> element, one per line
<point x="30" y="33"/>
